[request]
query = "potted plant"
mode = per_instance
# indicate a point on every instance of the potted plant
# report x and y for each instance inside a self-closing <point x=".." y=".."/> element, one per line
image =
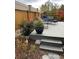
<point x="39" y="26"/>
<point x="26" y="28"/>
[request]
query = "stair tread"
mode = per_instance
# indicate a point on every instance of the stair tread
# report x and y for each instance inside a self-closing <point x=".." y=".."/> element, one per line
<point x="51" y="41"/>
<point x="51" y="48"/>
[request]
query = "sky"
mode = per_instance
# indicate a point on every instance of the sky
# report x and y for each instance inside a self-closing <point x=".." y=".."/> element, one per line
<point x="38" y="3"/>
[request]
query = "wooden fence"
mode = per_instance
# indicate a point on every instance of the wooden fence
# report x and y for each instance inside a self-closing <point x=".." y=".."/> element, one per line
<point x="24" y="12"/>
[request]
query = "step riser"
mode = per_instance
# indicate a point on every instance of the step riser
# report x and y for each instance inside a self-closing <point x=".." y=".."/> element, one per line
<point x="51" y="48"/>
<point x="37" y="37"/>
<point x="51" y="44"/>
<point x="58" y="52"/>
<point x="51" y="41"/>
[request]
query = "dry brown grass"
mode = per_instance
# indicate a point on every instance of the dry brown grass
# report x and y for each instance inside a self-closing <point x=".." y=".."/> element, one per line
<point x="28" y="50"/>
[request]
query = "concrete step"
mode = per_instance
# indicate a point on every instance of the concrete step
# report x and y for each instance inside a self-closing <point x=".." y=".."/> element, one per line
<point x="51" y="41"/>
<point x="51" y="44"/>
<point x="50" y="48"/>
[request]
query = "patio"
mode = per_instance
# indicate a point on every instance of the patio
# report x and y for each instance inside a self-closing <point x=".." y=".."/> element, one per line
<point x="54" y="30"/>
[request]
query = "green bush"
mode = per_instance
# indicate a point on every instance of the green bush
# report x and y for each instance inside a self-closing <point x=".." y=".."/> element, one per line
<point x="38" y="22"/>
<point x="27" y="27"/>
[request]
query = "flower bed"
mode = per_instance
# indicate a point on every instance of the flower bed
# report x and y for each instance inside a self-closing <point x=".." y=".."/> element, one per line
<point x="27" y="50"/>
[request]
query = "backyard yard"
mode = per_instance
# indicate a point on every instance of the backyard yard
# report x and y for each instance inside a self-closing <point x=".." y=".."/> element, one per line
<point x="39" y="32"/>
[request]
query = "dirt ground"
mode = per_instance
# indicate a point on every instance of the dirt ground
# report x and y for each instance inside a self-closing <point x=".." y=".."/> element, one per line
<point x="62" y="57"/>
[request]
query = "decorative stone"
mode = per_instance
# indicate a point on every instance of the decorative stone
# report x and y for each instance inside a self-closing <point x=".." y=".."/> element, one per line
<point x="26" y="41"/>
<point x="45" y="57"/>
<point x="53" y="56"/>
<point x="37" y="42"/>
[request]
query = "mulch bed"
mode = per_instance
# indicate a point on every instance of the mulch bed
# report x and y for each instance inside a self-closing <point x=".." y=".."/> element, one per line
<point x="36" y="55"/>
<point x="32" y="50"/>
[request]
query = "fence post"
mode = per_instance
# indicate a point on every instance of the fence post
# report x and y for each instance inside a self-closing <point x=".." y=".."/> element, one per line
<point x="29" y="11"/>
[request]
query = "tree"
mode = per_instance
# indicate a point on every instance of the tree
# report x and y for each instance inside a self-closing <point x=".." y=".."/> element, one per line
<point x="62" y="7"/>
<point x="44" y="8"/>
<point x="49" y="8"/>
<point x="60" y="13"/>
